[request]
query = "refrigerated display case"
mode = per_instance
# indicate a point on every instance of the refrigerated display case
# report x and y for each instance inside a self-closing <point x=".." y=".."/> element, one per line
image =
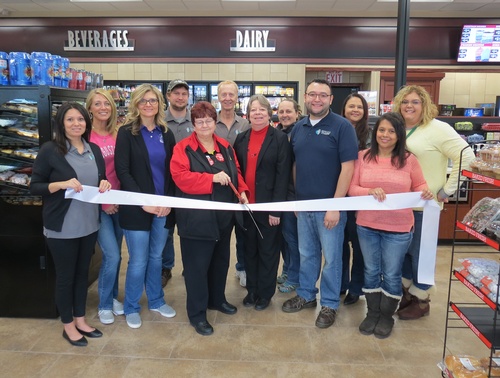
<point x="207" y="91"/>
<point x="27" y="277"/>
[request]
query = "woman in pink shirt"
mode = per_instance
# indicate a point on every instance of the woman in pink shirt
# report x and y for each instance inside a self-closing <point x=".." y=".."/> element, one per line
<point x="385" y="235"/>
<point x="103" y="113"/>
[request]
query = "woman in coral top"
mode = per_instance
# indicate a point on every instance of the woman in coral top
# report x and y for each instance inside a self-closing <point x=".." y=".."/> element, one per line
<point x="385" y="235"/>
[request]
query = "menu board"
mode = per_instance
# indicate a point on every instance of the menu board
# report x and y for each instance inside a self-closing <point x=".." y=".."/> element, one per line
<point x="480" y="43"/>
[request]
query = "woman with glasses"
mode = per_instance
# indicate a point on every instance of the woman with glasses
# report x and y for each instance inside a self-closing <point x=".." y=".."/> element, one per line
<point x="266" y="164"/>
<point x="102" y="110"/>
<point x="144" y="147"/>
<point x="433" y="142"/>
<point x="204" y="167"/>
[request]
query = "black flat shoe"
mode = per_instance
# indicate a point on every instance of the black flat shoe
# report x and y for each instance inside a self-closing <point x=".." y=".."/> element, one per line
<point x="250" y="300"/>
<point x="262" y="304"/>
<point x="226" y="308"/>
<point x="350" y="299"/>
<point x="92" y="334"/>
<point x="80" y="342"/>
<point x="203" y="328"/>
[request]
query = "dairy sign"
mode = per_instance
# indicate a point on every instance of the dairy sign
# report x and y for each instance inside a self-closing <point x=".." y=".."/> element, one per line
<point x="252" y="40"/>
<point x="98" y="40"/>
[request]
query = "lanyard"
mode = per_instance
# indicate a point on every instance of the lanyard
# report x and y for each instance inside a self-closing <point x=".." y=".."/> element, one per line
<point x="411" y="131"/>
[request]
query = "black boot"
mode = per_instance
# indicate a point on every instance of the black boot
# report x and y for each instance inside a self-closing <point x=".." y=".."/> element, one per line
<point x="367" y="326"/>
<point x="388" y="306"/>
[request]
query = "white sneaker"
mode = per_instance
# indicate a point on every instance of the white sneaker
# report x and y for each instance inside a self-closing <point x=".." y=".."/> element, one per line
<point x="242" y="275"/>
<point x="133" y="320"/>
<point x="106" y="316"/>
<point x="117" y="307"/>
<point x="165" y="310"/>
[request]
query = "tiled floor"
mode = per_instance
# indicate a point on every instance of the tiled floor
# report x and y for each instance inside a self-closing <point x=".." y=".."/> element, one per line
<point x="267" y="343"/>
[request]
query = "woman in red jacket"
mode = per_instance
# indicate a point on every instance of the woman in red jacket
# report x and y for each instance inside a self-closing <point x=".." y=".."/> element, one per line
<point x="202" y="167"/>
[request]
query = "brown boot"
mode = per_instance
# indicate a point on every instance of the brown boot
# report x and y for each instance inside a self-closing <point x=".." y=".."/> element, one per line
<point x="406" y="299"/>
<point x="417" y="309"/>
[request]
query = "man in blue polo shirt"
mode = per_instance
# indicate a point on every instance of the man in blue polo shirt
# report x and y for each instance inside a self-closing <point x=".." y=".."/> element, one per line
<point x="325" y="148"/>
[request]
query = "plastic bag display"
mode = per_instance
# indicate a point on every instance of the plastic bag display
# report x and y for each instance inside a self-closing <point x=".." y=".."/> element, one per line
<point x="483" y="274"/>
<point x="484" y="212"/>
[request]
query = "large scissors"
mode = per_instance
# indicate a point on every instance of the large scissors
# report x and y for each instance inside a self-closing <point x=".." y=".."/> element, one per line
<point x="246" y="206"/>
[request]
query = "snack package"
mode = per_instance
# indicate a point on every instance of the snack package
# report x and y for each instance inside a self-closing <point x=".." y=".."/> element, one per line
<point x="482" y="213"/>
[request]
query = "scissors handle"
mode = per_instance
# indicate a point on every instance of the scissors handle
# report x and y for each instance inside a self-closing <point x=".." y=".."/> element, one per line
<point x="240" y="198"/>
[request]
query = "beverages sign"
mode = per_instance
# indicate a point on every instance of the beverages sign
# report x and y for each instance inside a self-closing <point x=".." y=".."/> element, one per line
<point x="252" y="41"/>
<point x="95" y="40"/>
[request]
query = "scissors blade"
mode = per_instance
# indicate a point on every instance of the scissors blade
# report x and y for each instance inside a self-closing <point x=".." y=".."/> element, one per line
<point x="246" y="206"/>
<point x="253" y="220"/>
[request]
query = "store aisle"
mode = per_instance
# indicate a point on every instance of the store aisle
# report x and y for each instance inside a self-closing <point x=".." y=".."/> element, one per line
<point x="251" y="343"/>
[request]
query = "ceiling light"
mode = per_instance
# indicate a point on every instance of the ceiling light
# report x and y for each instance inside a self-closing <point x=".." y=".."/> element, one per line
<point x="105" y="1"/>
<point x="257" y="1"/>
<point x="417" y="1"/>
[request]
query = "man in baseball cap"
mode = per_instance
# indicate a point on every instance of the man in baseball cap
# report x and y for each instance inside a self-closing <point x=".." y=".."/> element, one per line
<point x="179" y="121"/>
<point x="177" y="83"/>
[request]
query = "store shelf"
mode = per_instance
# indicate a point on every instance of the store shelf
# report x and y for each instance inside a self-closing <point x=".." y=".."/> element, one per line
<point x="482" y="314"/>
<point x="478" y="235"/>
<point x="481" y="321"/>
<point x="480" y="177"/>
<point x="27" y="275"/>
<point x="475" y="290"/>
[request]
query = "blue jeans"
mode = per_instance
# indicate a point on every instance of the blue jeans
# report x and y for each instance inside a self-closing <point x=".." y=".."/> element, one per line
<point x="410" y="265"/>
<point x="291" y="247"/>
<point x="110" y="238"/>
<point x="352" y="275"/>
<point x="383" y="253"/>
<point x="314" y="239"/>
<point x="168" y="254"/>
<point x="144" y="266"/>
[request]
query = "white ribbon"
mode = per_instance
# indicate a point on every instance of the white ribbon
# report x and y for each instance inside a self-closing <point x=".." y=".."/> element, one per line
<point x="430" y="224"/>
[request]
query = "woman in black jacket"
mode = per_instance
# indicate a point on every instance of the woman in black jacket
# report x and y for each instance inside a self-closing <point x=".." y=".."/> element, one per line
<point x="143" y="151"/>
<point x="70" y="227"/>
<point x="266" y="164"/>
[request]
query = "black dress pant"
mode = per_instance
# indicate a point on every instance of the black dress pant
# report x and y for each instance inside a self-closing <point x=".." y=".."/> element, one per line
<point x="72" y="261"/>
<point x="262" y="255"/>
<point x="205" y="263"/>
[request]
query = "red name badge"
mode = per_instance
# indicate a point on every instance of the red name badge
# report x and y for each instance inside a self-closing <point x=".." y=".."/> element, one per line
<point x="210" y="161"/>
<point x="219" y="157"/>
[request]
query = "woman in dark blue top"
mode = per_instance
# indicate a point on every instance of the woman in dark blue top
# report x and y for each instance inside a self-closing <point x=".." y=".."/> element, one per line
<point x="143" y="151"/>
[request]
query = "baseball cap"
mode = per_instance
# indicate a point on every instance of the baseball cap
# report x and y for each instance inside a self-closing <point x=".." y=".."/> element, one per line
<point x="176" y="83"/>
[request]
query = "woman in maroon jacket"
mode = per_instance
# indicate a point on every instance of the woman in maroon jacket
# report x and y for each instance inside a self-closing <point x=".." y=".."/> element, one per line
<point x="203" y="165"/>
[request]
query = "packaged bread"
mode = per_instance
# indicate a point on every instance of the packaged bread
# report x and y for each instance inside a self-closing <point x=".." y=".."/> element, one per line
<point x="490" y="153"/>
<point x="5" y="175"/>
<point x="20" y="179"/>
<point x="465" y="367"/>
<point x="495" y="365"/>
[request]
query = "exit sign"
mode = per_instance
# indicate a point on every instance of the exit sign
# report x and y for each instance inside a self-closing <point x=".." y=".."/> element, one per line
<point x="334" y="77"/>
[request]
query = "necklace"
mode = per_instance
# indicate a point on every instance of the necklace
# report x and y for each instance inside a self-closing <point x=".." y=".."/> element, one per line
<point x="103" y="138"/>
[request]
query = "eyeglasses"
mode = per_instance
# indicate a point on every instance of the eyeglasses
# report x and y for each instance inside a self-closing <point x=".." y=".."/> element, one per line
<point x="322" y="96"/>
<point x="201" y="122"/>
<point x="413" y="102"/>
<point x="151" y="101"/>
